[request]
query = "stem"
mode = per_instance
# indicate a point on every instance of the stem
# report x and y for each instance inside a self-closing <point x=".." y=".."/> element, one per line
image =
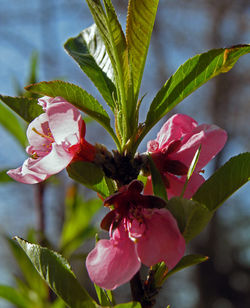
<point x="41" y="212"/>
<point x="136" y="287"/>
<point x="40" y="203"/>
<point x="139" y="293"/>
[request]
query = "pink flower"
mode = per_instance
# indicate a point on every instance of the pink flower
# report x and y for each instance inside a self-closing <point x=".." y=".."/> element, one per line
<point x="141" y="231"/>
<point x="175" y="147"/>
<point x="56" y="138"/>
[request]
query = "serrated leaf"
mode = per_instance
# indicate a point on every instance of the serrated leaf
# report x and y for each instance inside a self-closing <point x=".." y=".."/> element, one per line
<point x="224" y="182"/>
<point x="124" y="73"/>
<point x="56" y="271"/>
<point x="26" y="107"/>
<point x="91" y="176"/>
<point x="119" y="46"/>
<point x="30" y="274"/>
<point x="89" y="51"/>
<point x="192" y="217"/>
<point x="15" y="297"/>
<point x="100" y="19"/>
<point x="105" y="297"/>
<point x="77" y="97"/>
<point x="140" y="22"/>
<point x="116" y="46"/>
<point x="189" y="77"/>
<point x="112" y="34"/>
<point x="10" y="122"/>
<point x="159" y="187"/>
<point x="162" y="274"/>
<point x="77" y="225"/>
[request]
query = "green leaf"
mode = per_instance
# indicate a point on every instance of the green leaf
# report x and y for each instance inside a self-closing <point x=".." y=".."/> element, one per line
<point x="129" y="305"/>
<point x="128" y="121"/>
<point x="56" y="271"/>
<point x="224" y="182"/>
<point x="77" y="225"/>
<point x="187" y="261"/>
<point x="162" y="274"/>
<point x="159" y="187"/>
<point x="116" y="46"/>
<point x="89" y="51"/>
<point x="77" y="97"/>
<point x="91" y="176"/>
<point x="191" y="216"/>
<point x="194" y="163"/>
<point x="15" y="297"/>
<point x="26" y="107"/>
<point x="10" y="122"/>
<point x="140" y="22"/>
<point x="4" y="178"/>
<point x="105" y="297"/>
<point x="112" y="35"/>
<point x="191" y="169"/>
<point x="189" y="77"/>
<point x="101" y="21"/>
<point x="30" y="274"/>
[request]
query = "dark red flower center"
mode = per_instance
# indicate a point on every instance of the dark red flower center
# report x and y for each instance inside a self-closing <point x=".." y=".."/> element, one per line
<point x="128" y="202"/>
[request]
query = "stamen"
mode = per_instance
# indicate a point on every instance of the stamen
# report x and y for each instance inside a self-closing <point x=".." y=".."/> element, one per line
<point x="43" y="135"/>
<point x="34" y="155"/>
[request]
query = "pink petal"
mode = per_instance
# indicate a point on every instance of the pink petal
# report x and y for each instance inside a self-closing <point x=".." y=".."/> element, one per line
<point x="45" y="102"/>
<point x="55" y="161"/>
<point x="162" y="240"/>
<point x="38" y="127"/>
<point x="65" y="121"/>
<point x="136" y="229"/>
<point x="211" y="138"/>
<point x="174" y="129"/>
<point x="24" y="175"/>
<point x="113" y="262"/>
<point x="177" y="184"/>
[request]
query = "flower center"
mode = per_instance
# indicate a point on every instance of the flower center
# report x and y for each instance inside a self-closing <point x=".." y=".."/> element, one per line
<point x="36" y="153"/>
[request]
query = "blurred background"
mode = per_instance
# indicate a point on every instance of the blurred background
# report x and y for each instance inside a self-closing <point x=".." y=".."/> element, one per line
<point x="182" y="30"/>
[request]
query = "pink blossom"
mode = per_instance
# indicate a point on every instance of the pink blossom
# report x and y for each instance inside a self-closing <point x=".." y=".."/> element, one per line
<point x="141" y="231"/>
<point x="174" y="148"/>
<point x="56" y="138"/>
